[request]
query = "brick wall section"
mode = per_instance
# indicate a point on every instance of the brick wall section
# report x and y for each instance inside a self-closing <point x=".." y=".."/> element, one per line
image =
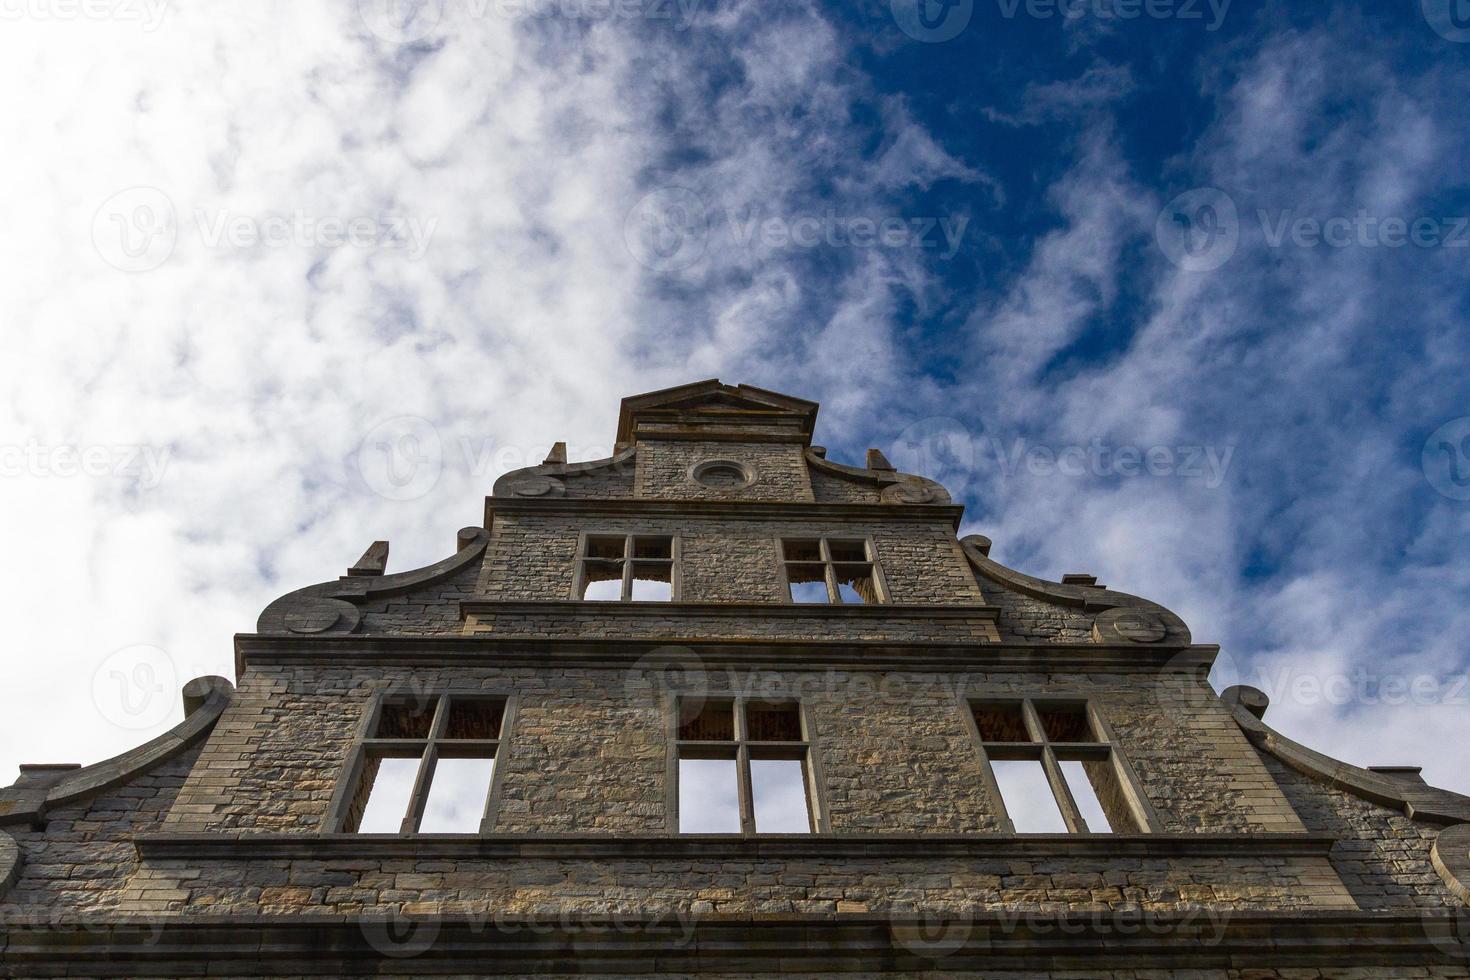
<point x="1027" y="619"/>
<point x="84" y="858"/>
<point x="726" y="560"/>
<point x="588" y="751"/>
<point x="829" y="489"/>
<point x="613" y="483"/>
<point x="682" y="887"/>
<point x="663" y="470"/>
<point x="1382" y="855"/>
<point x="1196" y="766"/>
<point x="429" y="612"/>
<point x="604" y="621"/>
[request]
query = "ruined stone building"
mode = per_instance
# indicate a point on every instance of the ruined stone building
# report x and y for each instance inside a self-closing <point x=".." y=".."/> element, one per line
<point x="722" y="705"/>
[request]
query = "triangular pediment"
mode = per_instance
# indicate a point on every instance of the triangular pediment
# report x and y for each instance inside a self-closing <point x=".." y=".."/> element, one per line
<point x="711" y="404"/>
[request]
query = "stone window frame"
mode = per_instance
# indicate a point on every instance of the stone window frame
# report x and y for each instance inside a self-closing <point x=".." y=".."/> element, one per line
<point x="880" y="582"/>
<point x="1103" y="747"/>
<point x="629" y="559"/>
<point x="740" y="749"/>
<point x="364" y="744"/>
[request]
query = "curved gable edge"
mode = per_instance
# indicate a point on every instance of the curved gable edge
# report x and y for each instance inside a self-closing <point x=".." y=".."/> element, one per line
<point x="1418" y="802"/>
<point x="332" y="607"/>
<point x="29" y="799"/>
<point x="547" y="480"/>
<point x="1118" y="616"/>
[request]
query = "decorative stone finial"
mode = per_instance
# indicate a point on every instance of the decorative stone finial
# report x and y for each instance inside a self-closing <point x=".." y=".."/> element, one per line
<point x="557" y="456"/>
<point x="374" y="561"/>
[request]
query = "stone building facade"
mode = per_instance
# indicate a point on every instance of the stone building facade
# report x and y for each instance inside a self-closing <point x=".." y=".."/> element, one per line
<point x="721" y="705"/>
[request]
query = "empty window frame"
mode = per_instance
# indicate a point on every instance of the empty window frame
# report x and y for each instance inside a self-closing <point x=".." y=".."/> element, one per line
<point x="627" y="568"/>
<point x="835" y="571"/>
<point x="424" y="764"/>
<point x="1055" y="768"/>
<point x="742" y="766"/>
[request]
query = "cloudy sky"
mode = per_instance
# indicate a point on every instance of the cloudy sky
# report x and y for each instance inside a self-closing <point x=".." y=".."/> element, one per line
<point x="1174" y="293"/>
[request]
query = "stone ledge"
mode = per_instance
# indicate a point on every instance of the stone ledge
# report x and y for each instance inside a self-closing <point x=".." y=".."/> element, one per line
<point x="577" y="609"/>
<point x="793" y="655"/>
<point x="492" y="944"/>
<point x="750" y="510"/>
<point x="244" y="845"/>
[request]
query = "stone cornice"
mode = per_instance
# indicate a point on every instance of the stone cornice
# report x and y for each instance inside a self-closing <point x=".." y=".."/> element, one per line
<point x="976" y="943"/>
<point x="795" y="656"/>
<point x="751" y="510"/>
<point x="693" y="611"/>
<point x="247" y="846"/>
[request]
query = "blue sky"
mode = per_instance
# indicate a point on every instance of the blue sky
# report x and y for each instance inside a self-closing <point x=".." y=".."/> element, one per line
<point x="1177" y="299"/>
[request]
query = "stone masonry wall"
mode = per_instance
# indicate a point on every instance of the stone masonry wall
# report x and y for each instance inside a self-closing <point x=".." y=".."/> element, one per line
<point x="726" y="560"/>
<point x="780" y="470"/>
<point x="587" y="753"/>
<point x="84" y="858"/>
<point x="1382" y="856"/>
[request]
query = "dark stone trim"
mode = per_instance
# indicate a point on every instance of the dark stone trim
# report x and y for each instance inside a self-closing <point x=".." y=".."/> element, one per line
<point x="29" y="803"/>
<point x="490" y="945"/>
<point x="1451" y="858"/>
<point x="754" y="510"/>
<point x="246" y="846"/>
<point x="795" y="655"/>
<point x="573" y="609"/>
<point x="1421" y="802"/>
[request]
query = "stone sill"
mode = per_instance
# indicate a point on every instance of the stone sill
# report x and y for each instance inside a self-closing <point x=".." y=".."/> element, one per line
<point x="230" y="846"/>
<point x="724" y="610"/>
<point x="750" y="510"/>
